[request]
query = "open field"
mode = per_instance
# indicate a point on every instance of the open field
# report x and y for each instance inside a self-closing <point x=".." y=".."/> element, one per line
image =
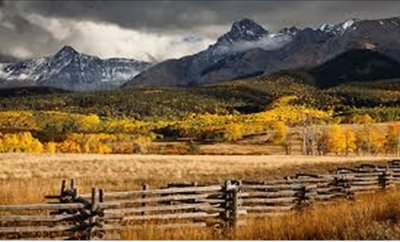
<point x="26" y="178"/>
<point x="368" y="217"/>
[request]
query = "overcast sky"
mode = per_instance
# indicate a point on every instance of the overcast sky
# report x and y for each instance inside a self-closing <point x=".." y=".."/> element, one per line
<point x="157" y="29"/>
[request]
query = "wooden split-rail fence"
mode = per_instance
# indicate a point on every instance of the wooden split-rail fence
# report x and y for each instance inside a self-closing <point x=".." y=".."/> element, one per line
<point x="104" y="214"/>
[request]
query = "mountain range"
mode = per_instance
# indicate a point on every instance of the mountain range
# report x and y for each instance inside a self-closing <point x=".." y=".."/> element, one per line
<point x="353" y="50"/>
<point x="70" y="70"/>
<point x="249" y="50"/>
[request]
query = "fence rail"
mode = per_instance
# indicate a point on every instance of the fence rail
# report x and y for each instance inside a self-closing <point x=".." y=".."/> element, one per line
<point x="70" y="215"/>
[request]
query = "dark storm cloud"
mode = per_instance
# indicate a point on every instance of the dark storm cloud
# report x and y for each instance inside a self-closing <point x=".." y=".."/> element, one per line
<point x="35" y="28"/>
<point x="176" y="15"/>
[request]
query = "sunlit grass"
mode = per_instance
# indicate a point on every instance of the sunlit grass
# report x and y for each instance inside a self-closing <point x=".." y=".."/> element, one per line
<point x="369" y="217"/>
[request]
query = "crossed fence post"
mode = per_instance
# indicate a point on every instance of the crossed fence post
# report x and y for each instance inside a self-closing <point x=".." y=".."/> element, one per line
<point x="90" y="216"/>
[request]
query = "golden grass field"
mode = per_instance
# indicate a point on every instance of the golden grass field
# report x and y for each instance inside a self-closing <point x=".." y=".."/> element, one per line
<point x="26" y="178"/>
<point x="368" y="217"/>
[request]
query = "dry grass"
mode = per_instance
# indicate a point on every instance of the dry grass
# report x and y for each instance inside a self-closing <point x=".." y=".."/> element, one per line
<point x="26" y="178"/>
<point x="370" y="217"/>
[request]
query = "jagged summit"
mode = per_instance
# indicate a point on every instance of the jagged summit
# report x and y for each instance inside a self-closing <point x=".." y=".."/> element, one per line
<point x="67" y="50"/>
<point x="247" y="49"/>
<point x="289" y="31"/>
<point x="243" y="30"/>
<point x="70" y="70"/>
<point x="339" y="28"/>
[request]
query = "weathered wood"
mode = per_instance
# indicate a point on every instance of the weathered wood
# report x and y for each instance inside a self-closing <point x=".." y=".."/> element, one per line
<point x="225" y="215"/>
<point x="308" y="175"/>
<point x="93" y="217"/>
<point x="37" y="229"/>
<point x="275" y="194"/>
<point x="211" y="200"/>
<point x="269" y="200"/>
<point x="292" y="181"/>
<point x="361" y="179"/>
<point x="144" y="188"/>
<point x="278" y="187"/>
<point x="156" y="226"/>
<point x="101" y="195"/>
<point x="113" y="204"/>
<point x="328" y="196"/>
<point x="360" y="188"/>
<point x="267" y="208"/>
<point x="172" y="216"/>
<point x="213" y="188"/>
<point x="62" y="190"/>
<point x="161" y="208"/>
<point x="364" y="183"/>
<point x="33" y="218"/>
<point x="234" y="206"/>
<point x="49" y="238"/>
<point x="41" y="206"/>
<point x="328" y="189"/>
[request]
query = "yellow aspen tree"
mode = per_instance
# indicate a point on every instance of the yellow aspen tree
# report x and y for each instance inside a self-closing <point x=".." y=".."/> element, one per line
<point x="50" y="147"/>
<point x="393" y="139"/>
<point x="340" y="140"/>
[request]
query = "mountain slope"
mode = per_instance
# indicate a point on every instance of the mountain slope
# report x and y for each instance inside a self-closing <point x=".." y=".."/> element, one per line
<point x="356" y="65"/>
<point x="244" y="35"/>
<point x="70" y="70"/>
<point x="249" y="50"/>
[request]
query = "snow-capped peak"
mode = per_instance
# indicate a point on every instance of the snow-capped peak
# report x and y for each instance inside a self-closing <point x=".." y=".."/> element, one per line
<point x="71" y="70"/>
<point x="327" y="27"/>
<point x="67" y="52"/>
<point x="348" y="24"/>
<point x="339" y="28"/>
<point x="243" y="30"/>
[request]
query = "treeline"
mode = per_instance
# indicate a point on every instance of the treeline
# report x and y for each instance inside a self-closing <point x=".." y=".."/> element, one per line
<point x="52" y="132"/>
<point x="76" y="133"/>
<point x="362" y="137"/>
<point x="244" y="96"/>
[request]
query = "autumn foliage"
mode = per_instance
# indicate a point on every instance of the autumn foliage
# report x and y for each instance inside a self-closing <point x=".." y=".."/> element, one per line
<point x="52" y="132"/>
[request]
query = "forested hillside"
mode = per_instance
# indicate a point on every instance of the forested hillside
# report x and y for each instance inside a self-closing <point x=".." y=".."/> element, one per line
<point x="379" y="99"/>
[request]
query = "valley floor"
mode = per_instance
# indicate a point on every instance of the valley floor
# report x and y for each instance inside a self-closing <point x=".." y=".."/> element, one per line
<point x="26" y="178"/>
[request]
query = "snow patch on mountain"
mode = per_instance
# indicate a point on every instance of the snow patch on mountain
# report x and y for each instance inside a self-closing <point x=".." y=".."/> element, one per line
<point x="269" y="42"/>
<point x="339" y="28"/>
<point x="246" y="34"/>
<point x="71" y="70"/>
<point x="348" y="24"/>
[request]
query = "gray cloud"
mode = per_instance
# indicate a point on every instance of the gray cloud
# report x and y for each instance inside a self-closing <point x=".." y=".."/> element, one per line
<point x="178" y="15"/>
<point x="48" y="24"/>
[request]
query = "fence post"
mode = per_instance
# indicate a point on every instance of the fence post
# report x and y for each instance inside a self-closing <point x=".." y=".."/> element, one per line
<point x="101" y="195"/>
<point x="301" y="196"/>
<point x="194" y="184"/>
<point x="144" y="188"/>
<point x="226" y="214"/>
<point x="62" y="192"/>
<point x="231" y="204"/>
<point x="382" y="179"/>
<point x="74" y="189"/>
<point x="234" y="206"/>
<point x="342" y="182"/>
<point x="93" y="214"/>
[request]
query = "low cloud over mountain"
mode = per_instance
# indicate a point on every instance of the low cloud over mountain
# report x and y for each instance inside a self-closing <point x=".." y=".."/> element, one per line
<point x="159" y="29"/>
